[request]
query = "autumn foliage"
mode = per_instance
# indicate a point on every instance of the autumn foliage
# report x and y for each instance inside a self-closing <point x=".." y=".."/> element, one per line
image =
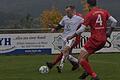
<point x="50" y="18"/>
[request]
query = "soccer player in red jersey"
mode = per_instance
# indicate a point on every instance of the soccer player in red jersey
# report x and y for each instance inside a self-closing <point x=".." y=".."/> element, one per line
<point x="97" y="19"/>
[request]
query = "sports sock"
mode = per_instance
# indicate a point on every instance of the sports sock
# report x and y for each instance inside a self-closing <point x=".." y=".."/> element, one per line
<point x="87" y="68"/>
<point x="62" y="62"/>
<point x="57" y="59"/>
<point x="71" y="58"/>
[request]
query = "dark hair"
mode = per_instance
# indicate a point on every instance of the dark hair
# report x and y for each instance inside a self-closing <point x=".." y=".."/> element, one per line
<point x="92" y="2"/>
<point x="70" y="6"/>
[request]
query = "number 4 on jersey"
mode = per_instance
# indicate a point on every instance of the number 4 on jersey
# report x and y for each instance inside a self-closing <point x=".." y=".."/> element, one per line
<point x="99" y="20"/>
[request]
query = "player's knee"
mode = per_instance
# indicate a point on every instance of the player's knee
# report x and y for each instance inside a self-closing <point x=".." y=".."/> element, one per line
<point x="66" y="50"/>
<point x="83" y="55"/>
<point x="83" y="50"/>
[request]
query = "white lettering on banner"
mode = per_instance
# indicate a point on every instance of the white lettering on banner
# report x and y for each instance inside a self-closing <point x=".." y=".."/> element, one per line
<point x="12" y="42"/>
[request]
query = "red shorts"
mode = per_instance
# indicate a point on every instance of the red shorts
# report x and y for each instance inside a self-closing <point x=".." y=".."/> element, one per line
<point x="93" y="45"/>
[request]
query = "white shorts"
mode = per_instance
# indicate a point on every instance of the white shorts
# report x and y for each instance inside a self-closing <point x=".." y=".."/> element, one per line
<point x="69" y="43"/>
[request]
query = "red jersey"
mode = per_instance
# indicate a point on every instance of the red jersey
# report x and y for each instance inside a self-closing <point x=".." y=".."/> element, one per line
<point x="97" y="20"/>
<point x="78" y="14"/>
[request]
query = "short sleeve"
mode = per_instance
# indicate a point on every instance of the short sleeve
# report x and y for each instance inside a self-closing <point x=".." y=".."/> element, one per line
<point x="107" y="15"/>
<point x="62" y="22"/>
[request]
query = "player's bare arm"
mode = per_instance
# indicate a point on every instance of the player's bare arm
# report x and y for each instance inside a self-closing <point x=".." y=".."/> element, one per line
<point x="56" y="28"/>
<point x="113" y="24"/>
<point x="78" y="32"/>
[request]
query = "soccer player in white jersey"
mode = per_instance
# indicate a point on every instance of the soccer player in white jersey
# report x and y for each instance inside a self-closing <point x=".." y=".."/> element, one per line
<point x="70" y="22"/>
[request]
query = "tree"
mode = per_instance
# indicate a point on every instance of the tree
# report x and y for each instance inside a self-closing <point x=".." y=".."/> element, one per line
<point x="50" y="18"/>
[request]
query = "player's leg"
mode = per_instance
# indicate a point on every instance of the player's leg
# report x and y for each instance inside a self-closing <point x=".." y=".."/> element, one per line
<point x="65" y="52"/>
<point x="85" y="52"/>
<point x="85" y="64"/>
<point x="74" y="62"/>
<point x="64" y="57"/>
<point x="57" y="58"/>
<point x="73" y="43"/>
<point x="72" y="59"/>
<point x="98" y="47"/>
<point x="55" y="61"/>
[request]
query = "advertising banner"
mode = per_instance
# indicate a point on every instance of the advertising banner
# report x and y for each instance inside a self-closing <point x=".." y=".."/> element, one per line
<point x="43" y="43"/>
<point x="25" y="43"/>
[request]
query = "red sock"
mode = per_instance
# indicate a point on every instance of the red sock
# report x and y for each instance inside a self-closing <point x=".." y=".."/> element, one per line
<point x="57" y="58"/>
<point x="87" y="68"/>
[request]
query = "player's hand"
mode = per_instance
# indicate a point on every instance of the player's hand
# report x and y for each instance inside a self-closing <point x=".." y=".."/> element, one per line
<point x="109" y="31"/>
<point x="53" y="30"/>
<point x="108" y="34"/>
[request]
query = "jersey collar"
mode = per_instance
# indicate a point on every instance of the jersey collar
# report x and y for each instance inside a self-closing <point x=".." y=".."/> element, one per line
<point x="71" y="17"/>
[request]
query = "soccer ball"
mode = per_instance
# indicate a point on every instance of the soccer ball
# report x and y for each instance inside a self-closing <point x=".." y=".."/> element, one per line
<point x="43" y="69"/>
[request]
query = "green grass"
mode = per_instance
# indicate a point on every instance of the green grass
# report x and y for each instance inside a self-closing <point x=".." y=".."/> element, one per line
<point x="26" y="68"/>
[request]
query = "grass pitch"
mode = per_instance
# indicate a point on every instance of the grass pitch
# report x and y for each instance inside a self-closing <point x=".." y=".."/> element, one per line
<point x="25" y="67"/>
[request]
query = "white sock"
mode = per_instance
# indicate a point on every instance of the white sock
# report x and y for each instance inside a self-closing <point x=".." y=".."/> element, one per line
<point x="71" y="58"/>
<point x="62" y="62"/>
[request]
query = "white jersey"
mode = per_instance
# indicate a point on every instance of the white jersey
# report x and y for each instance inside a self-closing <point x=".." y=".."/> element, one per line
<point x="70" y="24"/>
